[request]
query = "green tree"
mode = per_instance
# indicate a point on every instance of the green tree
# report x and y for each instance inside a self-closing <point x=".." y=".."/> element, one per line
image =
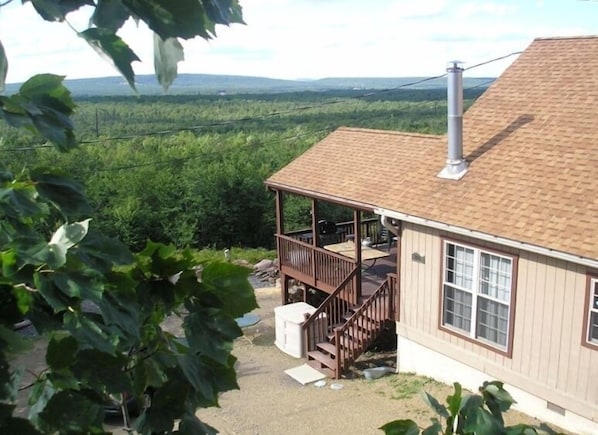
<point x="54" y="263"/>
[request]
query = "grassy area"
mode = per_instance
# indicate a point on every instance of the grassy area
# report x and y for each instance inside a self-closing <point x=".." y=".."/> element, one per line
<point x="250" y="255"/>
<point x="407" y="385"/>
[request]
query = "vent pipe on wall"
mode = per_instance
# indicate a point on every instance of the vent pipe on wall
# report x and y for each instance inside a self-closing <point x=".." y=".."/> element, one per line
<point x="456" y="166"/>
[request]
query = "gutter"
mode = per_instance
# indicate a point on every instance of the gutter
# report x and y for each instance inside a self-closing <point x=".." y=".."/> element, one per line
<point x="311" y="194"/>
<point x="584" y="261"/>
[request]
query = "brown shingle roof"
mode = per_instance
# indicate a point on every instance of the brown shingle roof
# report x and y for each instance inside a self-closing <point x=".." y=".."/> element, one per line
<point x="532" y="143"/>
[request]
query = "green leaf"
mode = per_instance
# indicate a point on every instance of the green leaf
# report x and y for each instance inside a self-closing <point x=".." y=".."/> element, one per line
<point x="454" y="400"/>
<point x="53" y="256"/>
<point x="66" y="194"/>
<point x="57" y="10"/>
<point x="52" y="295"/>
<point x="15" y="425"/>
<point x="10" y="381"/>
<point x="11" y="342"/>
<point x="497" y="398"/>
<point x="223" y="11"/>
<point x="89" y="332"/>
<point x="41" y="393"/>
<point x="110" y="14"/>
<point x="101" y="252"/>
<point x="168" y="404"/>
<point x="400" y="427"/>
<point x="229" y="283"/>
<point x="167" y="54"/>
<point x="61" y="351"/>
<point x="520" y="429"/>
<point x="434" y="429"/>
<point x="100" y="370"/>
<point x="111" y="46"/>
<point x="198" y="375"/>
<point x="117" y="310"/>
<point x="435" y="405"/>
<point x="9" y="262"/>
<point x="72" y="412"/>
<point x="169" y="19"/>
<point x="48" y="89"/>
<point x="10" y="312"/>
<point x="24" y="299"/>
<point x="469" y="402"/>
<point x="44" y="105"/>
<point x="6" y="411"/>
<point x="21" y="199"/>
<point x="3" y="67"/>
<point x="478" y="420"/>
<point x="191" y="425"/>
<point x="67" y="235"/>
<point x="211" y="333"/>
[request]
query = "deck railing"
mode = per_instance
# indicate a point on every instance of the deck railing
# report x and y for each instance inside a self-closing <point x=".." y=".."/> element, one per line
<point x="363" y="327"/>
<point x="315" y="266"/>
<point x="329" y="314"/>
<point x="371" y="228"/>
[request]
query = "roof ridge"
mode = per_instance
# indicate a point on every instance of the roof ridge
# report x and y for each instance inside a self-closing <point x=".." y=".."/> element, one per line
<point x="559" y="38"/>
<point x="391" y="132"/>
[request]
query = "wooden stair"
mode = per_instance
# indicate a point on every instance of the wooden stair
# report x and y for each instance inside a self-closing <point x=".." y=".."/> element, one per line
<point x="350" y="329"/>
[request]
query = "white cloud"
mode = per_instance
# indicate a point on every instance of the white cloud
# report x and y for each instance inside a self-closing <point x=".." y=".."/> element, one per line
<point x="313" y="38"/>
<point x="477" y="8"/>
<point x="417" y="9"/>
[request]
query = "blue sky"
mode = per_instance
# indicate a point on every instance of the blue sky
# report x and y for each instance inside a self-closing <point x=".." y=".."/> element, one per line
<point x="315" y="38"/>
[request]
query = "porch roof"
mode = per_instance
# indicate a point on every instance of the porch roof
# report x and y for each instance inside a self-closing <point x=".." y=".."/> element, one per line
<point x="532" y="145"/>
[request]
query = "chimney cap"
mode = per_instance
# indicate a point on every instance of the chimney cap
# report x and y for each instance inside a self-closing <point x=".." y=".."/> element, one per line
<point x="455" y="64"/>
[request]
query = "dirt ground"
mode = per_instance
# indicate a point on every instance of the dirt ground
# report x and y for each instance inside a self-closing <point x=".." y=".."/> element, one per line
<point x="271" y="402"/>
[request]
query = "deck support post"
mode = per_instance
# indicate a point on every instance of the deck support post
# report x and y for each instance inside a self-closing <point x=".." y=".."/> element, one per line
<point x="284" y="288"/>
<point x="315" y="240"/>
<point x="357" y="241"/>
<point x="315" y="217"/>
<point x="284" y="285"/>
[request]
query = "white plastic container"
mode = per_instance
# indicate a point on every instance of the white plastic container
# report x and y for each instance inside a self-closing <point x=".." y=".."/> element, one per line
<point x="288" y="320"/>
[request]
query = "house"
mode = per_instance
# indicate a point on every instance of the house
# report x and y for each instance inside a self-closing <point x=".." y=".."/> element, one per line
<point x="496" y="251"/>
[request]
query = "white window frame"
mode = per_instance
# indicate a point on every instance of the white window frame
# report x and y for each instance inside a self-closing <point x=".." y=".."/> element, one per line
<point x="476" y="294"/>
<point x="592" y="310"/>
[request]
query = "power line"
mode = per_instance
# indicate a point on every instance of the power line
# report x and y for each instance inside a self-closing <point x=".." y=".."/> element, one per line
<point x="266" y="116"/>
<point x="207" y="153"/>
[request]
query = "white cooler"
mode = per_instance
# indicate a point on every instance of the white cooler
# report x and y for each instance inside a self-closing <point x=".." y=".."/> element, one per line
<point x="288" y="320"/>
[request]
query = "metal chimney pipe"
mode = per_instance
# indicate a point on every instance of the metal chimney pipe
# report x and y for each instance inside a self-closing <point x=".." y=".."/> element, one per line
<point x="456" y="166"/>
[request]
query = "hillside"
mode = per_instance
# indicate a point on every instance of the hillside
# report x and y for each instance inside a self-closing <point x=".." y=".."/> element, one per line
<point x="234" y="84"/>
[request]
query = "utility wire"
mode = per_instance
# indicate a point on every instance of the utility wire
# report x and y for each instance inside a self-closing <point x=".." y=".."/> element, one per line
<point x="268" y="115"/>
<point x="208" y="153"/>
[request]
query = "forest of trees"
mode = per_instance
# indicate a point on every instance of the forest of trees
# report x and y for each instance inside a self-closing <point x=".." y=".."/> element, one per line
<point x="189" y="169"/>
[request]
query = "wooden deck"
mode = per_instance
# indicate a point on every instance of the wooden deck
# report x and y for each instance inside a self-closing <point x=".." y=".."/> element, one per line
<point x="374" y="276"/>
<point x="360" y="285"/>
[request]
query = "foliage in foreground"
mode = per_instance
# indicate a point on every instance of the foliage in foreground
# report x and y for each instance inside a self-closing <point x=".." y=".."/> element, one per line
<point x="466" y="414"/>
<point x="99" y="306"/>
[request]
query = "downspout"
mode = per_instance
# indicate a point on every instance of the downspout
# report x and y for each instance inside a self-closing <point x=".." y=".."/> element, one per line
<point x="386" y="223"/>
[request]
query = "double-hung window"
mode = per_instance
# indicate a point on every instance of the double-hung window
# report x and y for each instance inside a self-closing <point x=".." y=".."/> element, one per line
<point x="592" y="313"/>
<point x="477" y="293"/>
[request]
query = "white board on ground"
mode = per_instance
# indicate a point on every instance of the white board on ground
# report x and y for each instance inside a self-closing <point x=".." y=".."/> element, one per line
<point x="305" y="374"/>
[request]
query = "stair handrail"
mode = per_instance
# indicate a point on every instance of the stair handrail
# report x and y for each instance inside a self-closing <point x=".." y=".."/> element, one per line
<point x="310" y="319"/>
<point x="386" y="289"/>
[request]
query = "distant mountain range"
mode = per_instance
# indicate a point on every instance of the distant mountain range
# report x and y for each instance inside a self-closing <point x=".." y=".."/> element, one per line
<point x="231" y="84"/>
